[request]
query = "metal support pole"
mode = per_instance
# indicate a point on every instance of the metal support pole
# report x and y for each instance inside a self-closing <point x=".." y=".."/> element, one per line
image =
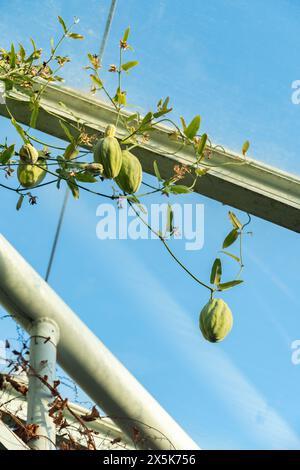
<point x="43" y="342"/>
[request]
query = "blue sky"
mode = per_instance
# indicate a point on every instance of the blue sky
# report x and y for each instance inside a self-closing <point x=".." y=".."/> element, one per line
<point x="223" y="60"/>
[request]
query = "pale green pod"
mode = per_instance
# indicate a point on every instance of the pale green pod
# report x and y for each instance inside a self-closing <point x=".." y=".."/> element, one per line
<point x="108" y="152"/>
<point x="215" y="320"/>
<point x="130" y="176"/>
<point x="29" y="175"/>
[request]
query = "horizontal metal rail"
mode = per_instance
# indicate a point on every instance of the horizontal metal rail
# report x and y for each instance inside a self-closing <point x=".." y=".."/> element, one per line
<point x="28" y="298"/>
<point x="253" y="187"/>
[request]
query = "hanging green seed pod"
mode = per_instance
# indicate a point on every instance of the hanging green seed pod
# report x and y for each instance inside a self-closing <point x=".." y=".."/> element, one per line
<point x="108" y="152"/>
<point x="215" y="320"/>
<point x="29" y="175"/>
<point x="28" y="154"/>
<point x="130" y="176"/>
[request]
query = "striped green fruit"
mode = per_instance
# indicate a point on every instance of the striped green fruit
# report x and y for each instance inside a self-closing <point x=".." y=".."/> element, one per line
<point x="28" y="153"/>
<point x="215" y="320"/>
<point x="30" y="176"/>
<point x="130" y="177"/>
<point x="108" y="152"/>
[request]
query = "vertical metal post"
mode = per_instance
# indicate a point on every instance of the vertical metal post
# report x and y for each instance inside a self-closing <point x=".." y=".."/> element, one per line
<point x="43" y="342"/>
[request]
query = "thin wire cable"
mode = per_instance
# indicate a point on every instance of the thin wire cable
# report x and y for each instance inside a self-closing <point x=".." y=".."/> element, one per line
<point x="65" y="202"/>
<point x="57" y="233"/>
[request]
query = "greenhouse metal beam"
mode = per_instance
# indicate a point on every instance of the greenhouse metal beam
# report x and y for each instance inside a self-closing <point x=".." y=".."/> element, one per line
<point x="246" y="184"/>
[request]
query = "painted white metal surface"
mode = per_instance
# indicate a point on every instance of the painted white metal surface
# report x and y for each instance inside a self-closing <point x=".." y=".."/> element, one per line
<point x="9" y="440"/>
<point x="84" y="357"/>
<point x="44" y="336"/>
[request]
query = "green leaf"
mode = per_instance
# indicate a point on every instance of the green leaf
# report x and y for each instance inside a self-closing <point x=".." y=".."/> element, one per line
<point x="34" y="113"/>
<point x="20" y="130"/>
<point x="22" y="52"/>
<point x="74" y="188"/>
<point x="126" y="34"/>
<point x="193" y="127"/>
<point x="12" y="57"/>
<point x="66" y="131"/>
<point x="85" y="178"/>
<point x="183" y="123"/>
<point x="162" y="112"/>
<point x="6" y="155"/>
<point x="96" y="80"/>
<point x="231" y="238"/>
<point x="170" y="216"/>
<point x="71" y="151"/>
<point x="129" y="65"/>
<point x="20" y="202"/>
<point x="156" y="171"/>
<point x="216" y="272"/>
<point x="246" y="146"/>
<point x="179" y="189"/>
<point x="234" y="220"/>
<point x="228" y="285"/>
<point x="62" y="23"/>
<point x="75" y="36"/>
<point x="236" y="258"/>
<point x="147" y="119"/>
<point x="201" y="145"/>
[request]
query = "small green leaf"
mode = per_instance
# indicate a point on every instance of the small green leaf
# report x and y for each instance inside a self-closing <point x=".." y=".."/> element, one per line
<point x="231" y="238"/>
<point x="170" y="216"/>
<point x="236" y="258"/>
<point x="20" y="202"/>
<point x="12" y="57"/>
<point x="216" y="272"/>
<point x="193" y="127"/>
<point x="228" y="285"/>
<point x="246" y="146"/>
<point x="35" y="107"/>
<point x="129" y="65"/>
<point x="156" y="171"/>
<point x="201" y="171"/>
<point x="6" y="155"/>
<point x="75" y="36"/>
<point x="147" y="119"/>
<point x="71" y="151"/>
<point x="85" y="178"/>
<point x="20" y="130"/>
<point x="66" y="131"/>
<point x="74" y="188"/>
<point x="179" y="189"/>
<point x="62" y="23"/>
<point x="234" y="220"/>
<point x="96" y="80"/>
<point x="22" y="52"/>
<point x="126" y="34"/>
<point x="183" y="123"/>
<point x="201" y="145"/>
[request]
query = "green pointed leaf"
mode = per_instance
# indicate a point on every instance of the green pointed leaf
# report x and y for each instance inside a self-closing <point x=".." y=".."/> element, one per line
<point x="20" y="131"/>
<point x="236" y="258"/>
<point x="66" y="131"/>
<point x="12" y="57"/>
<point x="129" y="65"/>
<point x="201" y="145"/>
<point x="35" y="107"/>
<point x="234" y="220"/>
<point x="183" y="123"/>
<point x="74" y="188"/>
<point x="216" y="272"/>
<point x="179" y="189"/>
<point x="97" y="81"/>
<point x="22" y="52"/>
<point x="156" y="171"/>
<point x="170" y="216"/>
<point x="231" y="238"/>
<point x="6" y="155"/>
<point x="20" y="202"/>
<point x="126" y="34"/>
<point x="75" y="36"/>
<point x="62" y="23"/>
<point x="246" y="146"/>
<point x="229" y="285"/>
<point x="146" y="119"/>
<point x="85" y="178"/>
<point x="71" y="151"/>
<point x="193" y="127"/>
